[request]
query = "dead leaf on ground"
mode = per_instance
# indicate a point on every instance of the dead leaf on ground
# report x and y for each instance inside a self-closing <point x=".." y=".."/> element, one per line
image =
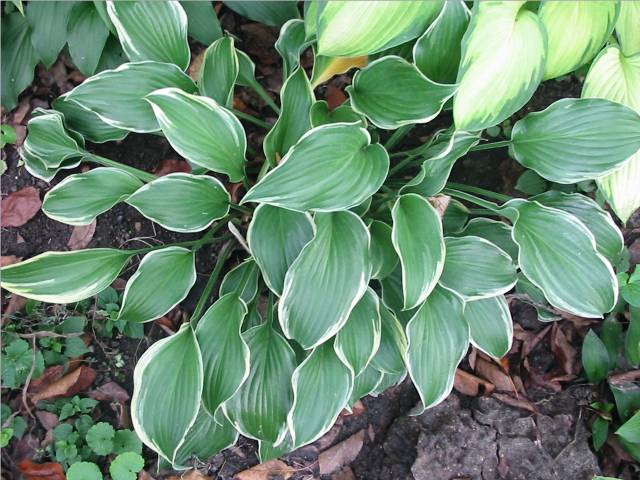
<point x="81" y="236"/>
<point x="563" y="351"/>
<point x="191" y="475"/>
<point x="48" y="420"/>
<point x="440" y="203"/>
<point x="516" y="402"/>
<point x="196" y="64"/>
<point x="335" y="96"/>
<point x="9" y="260"/>
<point x="622" y="378"/>
<point x="72" y="383"/>
<point x="16" y="303"/>
<point x="171" y="165"/>
<point x="50" y="375"/>
<point x="20" y="207"/>
<point x="265" y="471"/>
<point x="532" y="341"/>
<point x="38" y="471"/>
<point x="110" y="392"/>
<point x="144" y="475"/>
<point x="344" y="474"/>
<point x="494" y="374"/>
<point x="469" y="384"/>
<point x="341" y="454"/>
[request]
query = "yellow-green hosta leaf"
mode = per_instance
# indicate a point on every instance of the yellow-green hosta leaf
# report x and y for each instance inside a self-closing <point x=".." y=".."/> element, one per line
<point x="242" y="280"/>
<point x="152" y="31"/>
<point x="620" y="188"/>
<point x="219" y="71"/>
<point x="48" y="22"/>
<point x="276" y="236"/>
<point x="357" y="342"/>
<point x="627" y="27"/>
<point x="575" y="32"/>
<point x="365" y="383"/>
<point x="294" y="121"/>
<point x="182" y="202"/>
<point x="438" y="341"/>
<point x="80" y="198"/>
<point x="437" y="52"/>
<point x="330" y="275"/>
<point x="118" y="96"/>
<point x="167" y="384"/>
<point x="393" y="345"/>
<point x="503" y="57"/>
<point x="566" y="265"/>
<point x="475" y="268"/>
<point x="498" y="233"/>
<point x="321" y="114"/>
<point x="290" y="45"/>
<point x="348" y="29"/>
<point x="576" y="139"/>
<point x="417" y="238"/>
<point x="87" y="123"/>
<point x="19" y="58"/>
<point x="321" y="389"/>
<point x="65" y="277"/>
<point x="490" y="325"/>
<point x="392" y="92"/>
<point x="259" y="408"/>
<point x="225" y="355"/>
<point x="315" y="175"/>
<point x="269" y="12"/>
<point x="163" y="279"/>
<point x="86" y="35"/>
<point x="382" y="253"/>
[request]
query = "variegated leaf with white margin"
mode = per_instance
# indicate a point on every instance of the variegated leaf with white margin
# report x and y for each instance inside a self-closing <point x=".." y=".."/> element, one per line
<point x="498" y="233"/>
<point x="490" y="325"/>
<point x="321" y="114"/>
<point x="242" y="280"/>
<point x="536" y="299"/>
<point x="392" y="295"/>
<point x="382" y="253"/>
<point x="438" y="341"/>
<point x="503" y="58"/>
<point x="365" y="383"/>
<point x="326" y="281"/>
<point x="290" y="45"/>
<point x="219" y="71"/>
<point x="163" y="279"/>
<point x="393" y="344"/>
<point x="322" y="386"/>
<point x="387" y="381"/>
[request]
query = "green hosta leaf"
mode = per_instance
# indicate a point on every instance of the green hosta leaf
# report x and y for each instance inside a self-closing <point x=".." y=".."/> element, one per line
<point x="84" y="471"/>
<point x="163" y="279"/>
<point x="392" y="295"/>
<point x="632" y="338"/>
<point x="630" y="431"/>
<point x="243" y="280"/>
<point x="80" y="198"/>
<point x="118" y="96"/>
<point x="575" y="32"/>
<point x="365" y="383"/>
<point x="438" y="340"/>
<point x="19" y="58"/>
<point x="202" y="21"/>
<point x="360" y="28"/>
<point x="321" y="114"/>
<point x="392" y="92"/>
<point x="382" y="253"/>
<point x="627" y="27"/>
<point x="321" y="389"/>
<point x="247" y="69"/>
<point x="324" y="283"/>
<point x="475" y="268"/>
<point x="259" y="409"/>
<point x="87" y="35"/>
<point x="595" y="358"/>
<point x="182" y="202"/>
<point x="276" y="236"/>
<point x="297" y="98"/>
<point x="152" y="31"/>
<point x="498" y="233"/>
<point x="48" y="22"/>
<point x="201" y="131"/>
<point x="393" y="345"/>
<point x="225" y="355"/>
<point x="455" y="217"/>
<point x="87" y="123"/>
<point x="219" y="71"/>
<point x="503" y="58"/>
<point x="537" y="298"/>
<point x="387" y="381"/>
<point x="167" y="384"/>
<point x="290" y="45"/>
<point x="437" y="52"/>
<point x="530" y="183"/>
<point x="490" y="325"/>
<point x="358" y="341"/>
<point x="576" y="139"/>
<point x="599" y="434"/>
<point x="566" y="265"/>
<point x="439" y="160"/>
<point x="417" y="238"/>
<point x="314" y="175"/>
<point x="265" y="11"/>
<point x="65" y="277"/>
<point x="126" y="466"/>
<point x="112" y="55"/>
<point x="609" y="241"/>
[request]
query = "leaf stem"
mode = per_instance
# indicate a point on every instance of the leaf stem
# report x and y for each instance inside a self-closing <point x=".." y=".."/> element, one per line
<point x="401" y="165"/>
<point x="473" y="199"/>
<point x="397" y="136"/>
<point x="240" y="208"/>
<point x="490" y="146"/>
<point x="264" y="95"/>
<point x="252" y="119"/>
<point x="479" y="191"/>
<point x="141" y="174"/>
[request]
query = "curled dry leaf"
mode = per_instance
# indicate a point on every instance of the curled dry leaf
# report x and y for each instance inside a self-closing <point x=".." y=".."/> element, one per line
<point x="50" y="375"/>
<point x="20" y="207"/>
<point x="494" y="374"/>
<point x="267" y="470"/>
<point x="48" y="420"/>
<point x="563" y="351"/>
<point x="76" y="381"/>
<point x="469" y="384"/>
<point x="81" y="236"/>
<point x="440" y="203"/>
<point x="38" y="471"/>
<point x="110" y="392"/>
<point x="341" y="454"/>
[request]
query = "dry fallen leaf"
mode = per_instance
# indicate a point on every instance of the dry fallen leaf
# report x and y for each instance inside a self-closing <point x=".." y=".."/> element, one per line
<point x="9" y="260"/>
<point x="335" y="96"/>
<point x="20" y="207"/>
<point x="341" y="454"/>
<point x="110" y="392"/>
<point x="16" y="303"/>
<point x="78" y="380"/>
<point x="440" y="203"/>
<point x="37" y="471"/>
<point x="48" y="420"/>
<point x="81" y="236"/>
<point x="191" y="475"/>
<point x="493" y="373"/>
<point x="565" y="353"/>
<point x="171" y="165"/>
<point x="516" y="402"/>
<point x="50" y="375"/>
<point x="469" y="384"/>
<point x="266" y="470"/>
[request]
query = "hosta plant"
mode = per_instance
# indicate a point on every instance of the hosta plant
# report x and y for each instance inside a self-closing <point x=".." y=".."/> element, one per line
<point x="365" y="264"/>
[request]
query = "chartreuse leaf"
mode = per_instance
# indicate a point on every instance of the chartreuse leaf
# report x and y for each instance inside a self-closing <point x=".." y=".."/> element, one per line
<point x="348" y="29"/>
<point x="503" y="58"/>
<point x="417" y="238"/>
<point x="243" y="280"/>
<point x="498" y="233"/>
<point x="627" y="27"/>
<point x="321" y="114"/>
<point x="219" y="71"/>
<point x="80" y="198"/>
<point x="294" y="121"/>
<point x="314" y="175"/>
<point x="202" y="21"/>
<point x="595" y="358"/>
<point x="437" y="52"/>
<point x="163" y="279"/>
<point x="392" y="92"/>
<point x="182" y="202"/>
<point x="167" y="384"/>
<point x="609" y="241"/>
<point x="322" y="386"/>
<point x="490" y="325"/>
<point x="265" y="11"/>
<point x="19" y="58"/>
<point x="118" y="96"/>
<point x="259" y="408"/>
<point x="65" y="277"/>
<point x="86" y="35"/>
<point x="576" y="139"/>
<point x="381" y="252"/>
<point x="325" y="68"/>
<point x="575" y="32"/>
<point x="438" y="340"/>
<point x="365" y="383"/>
<point x="323" y="285"/>
<point x="617" y="78"/>
<point x="152" y="31"/>
<point x="393" y="345"/>
<point x="201" y="131"/>
<point x="358" y="341"/>
<point x="290" y="45"/>
<point x="276" y="236"/>
<point x="475" y="268"/>
<point x="48" y="22"/>
<point x="566" y="265"/>
<point x="225" y="355"/>
<point x="439" y="160"/>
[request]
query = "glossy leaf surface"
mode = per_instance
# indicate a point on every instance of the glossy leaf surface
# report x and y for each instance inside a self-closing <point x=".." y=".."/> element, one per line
<point x="490" y="325"/>
<point x="219" y="71"/>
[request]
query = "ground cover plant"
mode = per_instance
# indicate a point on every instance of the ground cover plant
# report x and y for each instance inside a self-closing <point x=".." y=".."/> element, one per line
<point x="362" y="263"/>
